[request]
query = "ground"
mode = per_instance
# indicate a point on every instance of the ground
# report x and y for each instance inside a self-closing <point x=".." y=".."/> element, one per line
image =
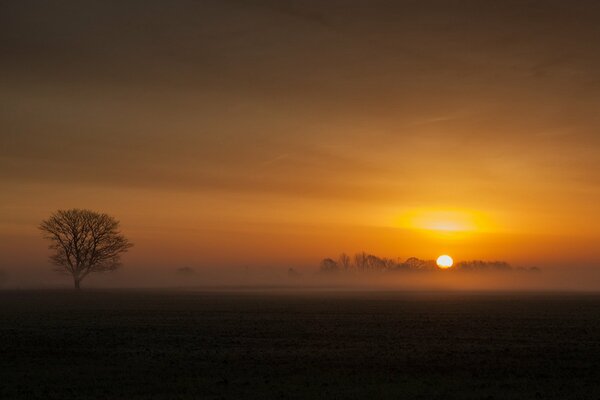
<point x="194" y="344"/>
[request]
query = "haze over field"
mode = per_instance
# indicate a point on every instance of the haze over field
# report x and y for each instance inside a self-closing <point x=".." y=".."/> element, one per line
<point x="240" y="139"/>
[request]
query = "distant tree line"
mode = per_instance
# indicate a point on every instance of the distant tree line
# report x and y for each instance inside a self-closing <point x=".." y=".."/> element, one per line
<point x="364" y="262"/>
<point x="478" y="265"/>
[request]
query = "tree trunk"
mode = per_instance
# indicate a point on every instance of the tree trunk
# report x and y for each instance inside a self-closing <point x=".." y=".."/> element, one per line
<point x="76" y="281"/>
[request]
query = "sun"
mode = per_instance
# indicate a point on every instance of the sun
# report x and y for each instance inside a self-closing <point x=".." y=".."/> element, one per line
<point x="444" y="261"/>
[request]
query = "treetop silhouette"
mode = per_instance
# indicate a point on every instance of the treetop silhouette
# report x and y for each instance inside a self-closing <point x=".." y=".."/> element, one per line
<point x="84" y="242"/>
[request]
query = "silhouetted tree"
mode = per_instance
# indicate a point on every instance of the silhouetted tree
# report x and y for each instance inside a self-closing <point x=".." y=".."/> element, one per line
<point x="401" y="266"/>
<point x="414" y="263"/>
<point x="375" y="263"/>
<point x="360" y="261"/>
<point x="389" y="264"/>
<point x="328" y="265"/>
<point x="83" y="242"/>
<point x="344" y="262"/>
<point x="479" y="265"/>
<point x="368" y="262"/>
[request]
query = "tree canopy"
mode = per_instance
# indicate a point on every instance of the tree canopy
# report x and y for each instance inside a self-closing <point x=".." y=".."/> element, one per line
<point x="84" y="242"/>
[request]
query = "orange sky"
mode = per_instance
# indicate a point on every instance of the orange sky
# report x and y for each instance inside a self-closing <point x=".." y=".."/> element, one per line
<point x="270" y="133"/>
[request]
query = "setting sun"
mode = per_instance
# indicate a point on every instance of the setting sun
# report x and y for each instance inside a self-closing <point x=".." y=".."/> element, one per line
<point x="444" y="261"/>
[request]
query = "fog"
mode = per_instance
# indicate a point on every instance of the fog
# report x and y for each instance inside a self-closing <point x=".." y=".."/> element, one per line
<point x="281" y="278"/>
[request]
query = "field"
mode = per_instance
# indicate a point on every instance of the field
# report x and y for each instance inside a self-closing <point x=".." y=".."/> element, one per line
<point x="264" y="345"/>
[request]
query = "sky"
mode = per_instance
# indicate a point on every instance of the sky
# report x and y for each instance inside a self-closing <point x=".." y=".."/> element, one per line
<point x="273" y="133"/>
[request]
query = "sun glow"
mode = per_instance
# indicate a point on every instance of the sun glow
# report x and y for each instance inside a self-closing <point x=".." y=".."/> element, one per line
<point x="444" y="261"/>
<point x="444" y="220"/>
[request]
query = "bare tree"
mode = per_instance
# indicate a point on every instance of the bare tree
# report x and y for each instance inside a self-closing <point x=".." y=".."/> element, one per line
<point x="414" y="263"/>
<point x="344" y="262"/>
<point x="375" y="263"/>
<point x="360" y="260"/>
<point x="479" y="265"/>
<point x="328" y="265"/>
<point x="83" y="242"/>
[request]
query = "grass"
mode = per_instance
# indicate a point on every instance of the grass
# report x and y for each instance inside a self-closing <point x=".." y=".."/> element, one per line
<point x="184" y="345"/>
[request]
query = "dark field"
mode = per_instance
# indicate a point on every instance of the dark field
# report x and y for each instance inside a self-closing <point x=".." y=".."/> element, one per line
<point x="180" y="345"/>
